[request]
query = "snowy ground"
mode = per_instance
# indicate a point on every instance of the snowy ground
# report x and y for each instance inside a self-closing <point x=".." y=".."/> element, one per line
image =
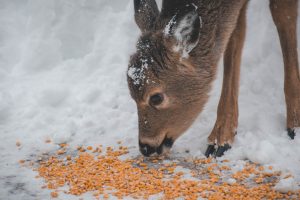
<point x="63" y="77"/>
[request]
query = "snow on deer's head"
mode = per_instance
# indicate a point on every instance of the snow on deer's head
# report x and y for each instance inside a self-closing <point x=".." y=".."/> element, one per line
<point x="163" y="78"/>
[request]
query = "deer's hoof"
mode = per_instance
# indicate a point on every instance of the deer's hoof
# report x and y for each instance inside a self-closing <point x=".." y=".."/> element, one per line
<point x="216" y="151"/>
<point x="210" y="150"/>
<point x="291" y="133"/>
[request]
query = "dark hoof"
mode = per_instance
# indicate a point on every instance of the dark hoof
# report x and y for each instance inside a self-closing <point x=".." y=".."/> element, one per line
<point x="291" y="133"/>
<point x="221" y="150"/>
<point x="210" y="150"/>
<point x="216" y="152"/>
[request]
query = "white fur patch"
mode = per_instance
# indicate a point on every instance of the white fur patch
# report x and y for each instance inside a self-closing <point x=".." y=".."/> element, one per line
<point x="168" y="27"/>
<point x="182" y="34"/>
<point x="185" y="27"/>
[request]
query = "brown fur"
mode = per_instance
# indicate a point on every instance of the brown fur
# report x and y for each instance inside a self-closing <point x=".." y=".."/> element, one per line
<point x="185" y="81"/>
<point x="227" y="118"/>
<point x="285" y="18"/>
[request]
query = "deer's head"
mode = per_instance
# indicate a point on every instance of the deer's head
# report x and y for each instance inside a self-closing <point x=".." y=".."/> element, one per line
<point x="168" y="86"/>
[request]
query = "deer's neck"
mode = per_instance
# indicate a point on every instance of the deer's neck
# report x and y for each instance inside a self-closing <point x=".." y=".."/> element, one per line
<point x="219" y="19"/>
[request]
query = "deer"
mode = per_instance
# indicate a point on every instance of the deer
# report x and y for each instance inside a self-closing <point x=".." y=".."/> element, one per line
<point x="171" y="73"/>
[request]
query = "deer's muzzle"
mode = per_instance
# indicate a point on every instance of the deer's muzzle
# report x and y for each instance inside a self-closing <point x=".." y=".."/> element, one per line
<point x="148" y="150"/>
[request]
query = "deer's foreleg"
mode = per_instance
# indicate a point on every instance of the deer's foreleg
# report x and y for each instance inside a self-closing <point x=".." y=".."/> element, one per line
<point x="225" y="127"/>
<point x="284" y="13"/>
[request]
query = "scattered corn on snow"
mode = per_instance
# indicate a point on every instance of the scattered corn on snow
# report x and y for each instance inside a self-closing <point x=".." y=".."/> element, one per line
<point x="63" y="67"/>
<point x="106" y="174"/>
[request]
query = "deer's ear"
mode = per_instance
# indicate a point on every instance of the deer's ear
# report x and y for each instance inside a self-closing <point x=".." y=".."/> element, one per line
<point x="185" y="31"/>
<point x="146" y="13"/>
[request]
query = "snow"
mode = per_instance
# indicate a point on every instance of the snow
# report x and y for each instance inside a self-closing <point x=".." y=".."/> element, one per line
<point x="137" y="74"/>
<point x="231" y="181"/>
<point x="63" y="67"/>
<point x="287" y="185"/>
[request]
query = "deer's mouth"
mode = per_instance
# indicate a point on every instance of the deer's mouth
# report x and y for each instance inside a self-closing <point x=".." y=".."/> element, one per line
<point x="163" y="148"/>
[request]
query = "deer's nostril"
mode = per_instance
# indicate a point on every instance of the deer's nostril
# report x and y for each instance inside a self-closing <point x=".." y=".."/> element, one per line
<point x="146" y="149"/>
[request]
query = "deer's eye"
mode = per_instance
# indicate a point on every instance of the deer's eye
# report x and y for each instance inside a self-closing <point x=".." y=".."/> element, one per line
<point x="156" y="99"/>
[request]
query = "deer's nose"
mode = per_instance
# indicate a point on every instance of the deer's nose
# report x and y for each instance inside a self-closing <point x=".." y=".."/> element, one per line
<point x="146" y="149"/>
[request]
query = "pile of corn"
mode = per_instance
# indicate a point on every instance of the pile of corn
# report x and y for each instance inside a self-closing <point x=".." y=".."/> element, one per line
<point x="105" y="174"/>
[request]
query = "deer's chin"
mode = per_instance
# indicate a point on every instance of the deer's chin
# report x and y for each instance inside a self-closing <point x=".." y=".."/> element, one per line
<point x="165" y="146"/>
<point x="164" y="151"/>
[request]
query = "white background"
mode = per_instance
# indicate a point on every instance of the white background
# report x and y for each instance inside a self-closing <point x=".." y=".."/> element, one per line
<point x="63" y="77"/>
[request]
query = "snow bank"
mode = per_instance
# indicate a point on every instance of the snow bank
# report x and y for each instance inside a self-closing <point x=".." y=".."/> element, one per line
<point x="63" y="71"/>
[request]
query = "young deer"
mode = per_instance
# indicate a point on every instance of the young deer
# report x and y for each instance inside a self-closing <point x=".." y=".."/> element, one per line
<point x="171" y="73"/>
